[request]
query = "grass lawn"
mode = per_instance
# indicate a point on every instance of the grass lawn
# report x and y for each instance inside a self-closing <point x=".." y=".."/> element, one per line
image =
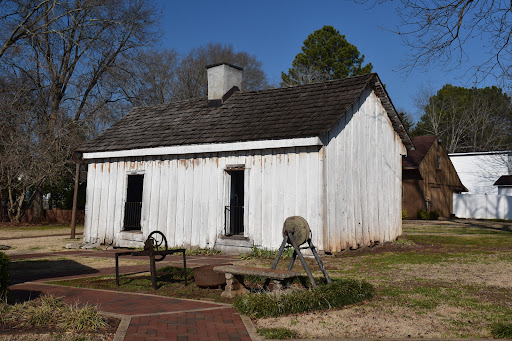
<point x="442" y="279"/>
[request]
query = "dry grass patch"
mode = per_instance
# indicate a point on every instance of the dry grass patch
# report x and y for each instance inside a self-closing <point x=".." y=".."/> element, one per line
<point x="451" y="281"/>
<point x="48" y="313"/>
<point x="55" y="337"/>
<point x="39" y="239"/>
<point x="43" y="230"/>
<point x="381" y="320"/>
<point x="492" y="274"/>
<point x="37" y="244"/>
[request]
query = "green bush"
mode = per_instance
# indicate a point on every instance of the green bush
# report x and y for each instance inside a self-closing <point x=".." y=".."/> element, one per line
<point x="404" y="214"/>
<point x="425" y="215"/>
<point x="336" y="294"/>
<point x="4" y="276"/>
<point x="257" y="252"/>
<point x="434" y="215"/>
<point x="502" y="330"/>
<point x="277" y="333"/>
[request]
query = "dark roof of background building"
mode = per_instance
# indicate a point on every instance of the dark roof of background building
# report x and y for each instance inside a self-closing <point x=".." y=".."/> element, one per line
<point x="504" y="180"/>
<point x="422" y="145"/>
<point x="282" y="113"/>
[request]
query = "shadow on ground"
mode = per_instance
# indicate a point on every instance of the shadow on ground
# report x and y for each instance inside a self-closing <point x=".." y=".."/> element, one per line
<point x="19" y="296"/>
<point x="33" y="270"/>
<point x="486" y="225"/>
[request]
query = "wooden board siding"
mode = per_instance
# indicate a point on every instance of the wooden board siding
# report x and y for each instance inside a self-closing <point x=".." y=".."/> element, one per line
<point x="413" y="198"/>
<point x="362" y="178"/>
<point x="438" y="184"/>
<point x="184" y="197"/>
<point x="349" y="189"/>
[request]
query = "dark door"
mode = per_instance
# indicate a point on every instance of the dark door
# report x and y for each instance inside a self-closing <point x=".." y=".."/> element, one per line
<point x="235" y="210"/>
<point x="133" y="205"/>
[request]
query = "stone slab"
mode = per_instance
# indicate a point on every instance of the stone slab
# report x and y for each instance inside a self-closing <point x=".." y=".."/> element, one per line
<point x="260" y="272"/>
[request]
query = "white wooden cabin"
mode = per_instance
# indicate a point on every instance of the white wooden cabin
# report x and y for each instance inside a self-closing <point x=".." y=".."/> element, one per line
<point x="226" y="171"/>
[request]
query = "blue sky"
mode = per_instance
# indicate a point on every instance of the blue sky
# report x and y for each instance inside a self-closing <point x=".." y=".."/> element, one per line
<point x="274" y="31"/>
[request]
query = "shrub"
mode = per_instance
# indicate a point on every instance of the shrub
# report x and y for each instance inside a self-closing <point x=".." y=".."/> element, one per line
<point x="434" y="215"/>
<point x="4" y="276"/>
<point x="82" y="318"/>
<point x="257" y="252"/>
<point x="404" y="214"/>
<point x="425" y="215"/>
<point x="336" y="294"/>
<point x="502" y="330"/>
<point x="49" y="312"/>
<point x="277" y="333"/>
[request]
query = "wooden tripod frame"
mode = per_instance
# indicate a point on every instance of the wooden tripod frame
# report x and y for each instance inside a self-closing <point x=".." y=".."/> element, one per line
<point x="288" y="238"/>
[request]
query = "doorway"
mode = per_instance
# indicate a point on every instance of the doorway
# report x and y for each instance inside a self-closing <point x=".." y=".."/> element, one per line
<point x="133" y="204"/>
<point x="234" y="213"/>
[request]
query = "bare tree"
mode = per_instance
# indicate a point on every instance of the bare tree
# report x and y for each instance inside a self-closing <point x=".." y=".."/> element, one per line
<point x="63" y="53"/>
<point x="24" y="161"/>
<point x="302" y="74"/>
<point x="191" y="74"/>
<point x="148" y="77"/>
<point x="156" y="77"/>
<point x="441" y="32"/>
<point x="466" y="119"/>
<point x="21" y="20"/>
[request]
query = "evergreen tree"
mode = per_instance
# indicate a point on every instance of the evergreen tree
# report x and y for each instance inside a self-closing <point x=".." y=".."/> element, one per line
<point x="326" y="54"/>
<point x="407" y="121"/>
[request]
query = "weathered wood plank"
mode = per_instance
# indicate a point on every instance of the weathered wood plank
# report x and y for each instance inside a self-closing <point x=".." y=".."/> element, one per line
<point x="266" y="197"/>
<point x="89" y="202"/>
<point x="180" y="200"/>
<point x="98" y="200"/>
<point x="172" y="190"/>
<point x="112" y="185"/>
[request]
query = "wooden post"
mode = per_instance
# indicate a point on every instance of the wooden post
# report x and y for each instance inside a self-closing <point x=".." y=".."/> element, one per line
<point x="75" y="199"/>
<point x="301" y="258"/>
<point x="152" y="269"/>
<point x="185" y="266"/>
<point x="117" y="269"/>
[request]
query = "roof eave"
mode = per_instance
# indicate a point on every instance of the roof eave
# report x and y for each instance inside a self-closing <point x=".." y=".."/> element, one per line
<point x="392" y="113"/>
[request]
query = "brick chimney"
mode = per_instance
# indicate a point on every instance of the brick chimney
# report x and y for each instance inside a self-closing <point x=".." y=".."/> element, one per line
<point x="223" y="80"/>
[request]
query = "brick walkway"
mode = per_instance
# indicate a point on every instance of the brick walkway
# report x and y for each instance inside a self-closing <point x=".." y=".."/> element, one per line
<point x="147" y="317"/>
<point x="220" y="324"/>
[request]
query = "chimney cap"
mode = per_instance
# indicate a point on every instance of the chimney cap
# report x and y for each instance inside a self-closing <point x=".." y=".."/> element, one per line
<point x="217" y="64"/>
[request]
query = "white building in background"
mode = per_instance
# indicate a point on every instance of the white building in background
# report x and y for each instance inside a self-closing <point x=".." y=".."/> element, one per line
<point x="480" y="170"/>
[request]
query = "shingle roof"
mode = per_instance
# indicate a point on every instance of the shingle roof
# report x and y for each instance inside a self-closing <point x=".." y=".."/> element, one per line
<point x="294" y="112"/>
<point x="422" y="145"/>
<point x="504" y="180"/>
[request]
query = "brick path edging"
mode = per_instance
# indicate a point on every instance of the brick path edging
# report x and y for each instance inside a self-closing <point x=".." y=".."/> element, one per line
<point x="153" y="317"/>
<point x="147" y="316"/>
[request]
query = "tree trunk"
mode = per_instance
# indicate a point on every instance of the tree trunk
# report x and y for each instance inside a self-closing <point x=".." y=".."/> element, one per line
<point x="37" y="206"/>
<point x="15" y="207"/>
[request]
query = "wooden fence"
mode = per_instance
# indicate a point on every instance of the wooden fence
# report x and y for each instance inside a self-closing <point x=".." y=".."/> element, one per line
<point x="56" y="215"/>
<point x="482" y="206"/>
